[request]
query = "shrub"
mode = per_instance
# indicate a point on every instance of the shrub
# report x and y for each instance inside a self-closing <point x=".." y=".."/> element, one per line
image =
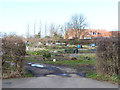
<point x="80" y="41"/>
<point x="28" y="52"/>
<point x="60" y="51"/>
<point x="36" y="52"/>
<point x="107" y="56"/>
<point x="13" y="53"/>
<point x="46" y="55"/>
<point x="69" y="50"/>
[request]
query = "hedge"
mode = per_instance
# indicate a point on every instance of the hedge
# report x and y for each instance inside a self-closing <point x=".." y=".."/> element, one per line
<point x="13" y="55"/>
<point x="107" y="62"/>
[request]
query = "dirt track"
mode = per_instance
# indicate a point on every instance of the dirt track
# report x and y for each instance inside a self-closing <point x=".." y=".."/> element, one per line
<point x="50" y="69"/>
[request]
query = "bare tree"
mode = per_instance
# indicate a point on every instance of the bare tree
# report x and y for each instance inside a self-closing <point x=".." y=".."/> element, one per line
<point x="52" y="30"/>
<point x="65" y="30"/>
<point x="28" y="31"/>
<point x="39" y="33"/>
<point x="45" y="28"/>
<point x="34" y="28"/>
<point x="78" y="24"/>
<point x="60" y="30"/>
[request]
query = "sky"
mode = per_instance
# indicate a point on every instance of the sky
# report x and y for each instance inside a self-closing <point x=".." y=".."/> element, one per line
<point x="15" y="15"/>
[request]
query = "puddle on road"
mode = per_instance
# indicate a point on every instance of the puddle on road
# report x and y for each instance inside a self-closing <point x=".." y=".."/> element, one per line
<point x="33" y="65"/>
<point x="8" y="83"/>
<point x="56" y="72"/>
<point x="49" y="67"/>
<point x="81" y="74"/>
<point x="52" y="67"/>
<point x="39" y="66"/>
<point x="68" y="75"/>
<point x="29" y="63"/>
<point x="36" y="65"/>
<point x="63" y="75"/>
<point x="57" y="67"/>
<point x="42" y="66"/>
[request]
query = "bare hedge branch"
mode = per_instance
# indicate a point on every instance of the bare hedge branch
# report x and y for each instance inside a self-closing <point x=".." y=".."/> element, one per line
<point x="13" y="56"/>
<point x="108" y="56"/>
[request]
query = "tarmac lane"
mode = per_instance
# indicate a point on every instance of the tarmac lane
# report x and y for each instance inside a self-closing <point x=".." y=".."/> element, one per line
<point x="55" y="81"/>
<point x="55" y="77"/>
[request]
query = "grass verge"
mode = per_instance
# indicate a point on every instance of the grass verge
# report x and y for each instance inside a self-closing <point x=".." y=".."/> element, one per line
<point x="113" y="79"/>
<point x="27" y="73"/>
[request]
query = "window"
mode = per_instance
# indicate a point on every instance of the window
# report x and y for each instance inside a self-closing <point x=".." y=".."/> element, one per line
<point x="96" y="33"/>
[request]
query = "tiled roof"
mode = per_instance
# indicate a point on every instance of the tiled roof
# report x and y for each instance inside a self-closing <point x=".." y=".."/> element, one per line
<point x="97" y="33"/>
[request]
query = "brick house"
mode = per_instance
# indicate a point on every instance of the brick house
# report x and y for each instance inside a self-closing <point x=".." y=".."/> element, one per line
<point x="87" y="34"/>
<point x="115" y="33"/>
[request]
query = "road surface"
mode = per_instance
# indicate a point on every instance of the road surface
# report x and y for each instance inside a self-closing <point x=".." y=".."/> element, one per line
<point x="53" y="81"/>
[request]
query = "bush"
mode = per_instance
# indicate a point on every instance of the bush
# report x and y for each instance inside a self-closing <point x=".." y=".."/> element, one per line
<point x="71" y="50"/>
<point x="80" y="41"/>
<point x="46" y="55"/>
<point x="13" y="56"/>
<point x="107" y="56"/>
<point x="36" y="52"/>
<point x="60" y="52"/>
